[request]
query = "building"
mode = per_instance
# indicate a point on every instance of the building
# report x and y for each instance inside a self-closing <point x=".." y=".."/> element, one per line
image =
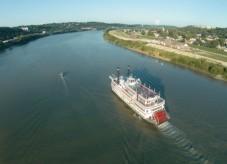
<point x="24" y="28"/>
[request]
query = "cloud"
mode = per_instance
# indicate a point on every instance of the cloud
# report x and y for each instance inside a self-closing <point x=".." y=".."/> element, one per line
<point x="157" y="22"/>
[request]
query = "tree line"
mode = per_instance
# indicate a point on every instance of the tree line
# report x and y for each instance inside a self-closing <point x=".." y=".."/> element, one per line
<point x="10" y="36"/>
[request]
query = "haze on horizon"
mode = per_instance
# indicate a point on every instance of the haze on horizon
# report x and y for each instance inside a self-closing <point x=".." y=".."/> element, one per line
<point x="150" y="12"/>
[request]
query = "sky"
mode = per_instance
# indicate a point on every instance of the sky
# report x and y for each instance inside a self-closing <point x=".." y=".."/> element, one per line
<point x="159" y="12"/>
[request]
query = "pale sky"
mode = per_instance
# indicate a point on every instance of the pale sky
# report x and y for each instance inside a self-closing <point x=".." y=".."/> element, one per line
<point x="162" y="12"/>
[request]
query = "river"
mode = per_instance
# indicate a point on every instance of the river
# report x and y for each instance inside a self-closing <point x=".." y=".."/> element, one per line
<point x="78" y="119"/>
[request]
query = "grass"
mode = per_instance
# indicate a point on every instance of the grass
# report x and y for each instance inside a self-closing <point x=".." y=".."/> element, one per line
<point x="210" y="52"/>
<point x="201" y="65"/>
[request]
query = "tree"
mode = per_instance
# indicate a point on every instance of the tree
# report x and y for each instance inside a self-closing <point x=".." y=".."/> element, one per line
<point x="173" y="34"/>
<point x="196" y="43"/>
<point x="149" y="33"/>
<point x="142" y="32"/>
<point x="214" y="43"/>
<point x="164" y="35"/>
<point x="221" y="41"/>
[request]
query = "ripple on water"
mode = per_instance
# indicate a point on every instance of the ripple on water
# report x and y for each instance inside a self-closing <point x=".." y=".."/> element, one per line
<point x="180" y="139"/>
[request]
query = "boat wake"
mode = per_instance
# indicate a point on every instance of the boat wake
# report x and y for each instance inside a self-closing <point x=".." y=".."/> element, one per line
<point x="137" y="116"/>
<point x="65" y="85"/>
<point x="180" y="139"/>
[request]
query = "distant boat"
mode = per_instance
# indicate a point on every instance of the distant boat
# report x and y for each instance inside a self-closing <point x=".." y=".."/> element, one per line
<point x="61" y="74"/>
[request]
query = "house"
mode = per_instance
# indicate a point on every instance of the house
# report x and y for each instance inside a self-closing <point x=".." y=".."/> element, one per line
<point x="192" y="40"/>
<point x="24" y="28"/>
<point x="5" y="41"/>
<point x="225" y="44"/>
<point x="156" y="35"/>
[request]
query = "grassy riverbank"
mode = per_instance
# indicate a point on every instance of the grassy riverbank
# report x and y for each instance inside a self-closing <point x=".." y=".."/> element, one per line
<point x="215" y="70"/>
<point x="21" y="40"/>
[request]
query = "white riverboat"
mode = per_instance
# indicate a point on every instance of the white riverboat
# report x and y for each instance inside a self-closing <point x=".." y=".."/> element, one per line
<point x="143" y="100"/>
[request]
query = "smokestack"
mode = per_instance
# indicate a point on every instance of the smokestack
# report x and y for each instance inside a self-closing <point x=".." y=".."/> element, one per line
<point x="118" y="75"/>
<point x="128" y="70"/>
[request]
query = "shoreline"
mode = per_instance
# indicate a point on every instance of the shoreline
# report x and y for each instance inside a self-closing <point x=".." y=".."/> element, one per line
<point x="20" y="42"/>
<point x="30" y="38"/>
<point x="157" y="56"/>
<point x="168" y="49"/>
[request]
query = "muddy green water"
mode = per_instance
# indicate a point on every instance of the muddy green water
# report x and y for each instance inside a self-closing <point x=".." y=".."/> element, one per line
<point x="78" y="119"/>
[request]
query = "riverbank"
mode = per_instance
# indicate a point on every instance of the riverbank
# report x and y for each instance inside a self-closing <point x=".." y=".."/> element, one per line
<point x="210" y="67"/>
<point x="11" y="36"/>
<point x="24" y="39"/>
<point x="20" y="41"/>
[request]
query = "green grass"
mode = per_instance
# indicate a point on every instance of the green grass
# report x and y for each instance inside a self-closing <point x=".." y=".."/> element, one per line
<point x="202" y="65"/>
<point x="212" y="50"/>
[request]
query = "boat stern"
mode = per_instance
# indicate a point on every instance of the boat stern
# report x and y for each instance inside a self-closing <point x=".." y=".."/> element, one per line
<point x="160" y="116"/>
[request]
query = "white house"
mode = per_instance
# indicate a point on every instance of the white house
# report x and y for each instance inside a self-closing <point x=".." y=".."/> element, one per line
<point x="24" y="28"/>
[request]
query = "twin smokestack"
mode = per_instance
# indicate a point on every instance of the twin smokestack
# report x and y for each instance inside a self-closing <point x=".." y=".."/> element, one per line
<point x="118" y="73"/>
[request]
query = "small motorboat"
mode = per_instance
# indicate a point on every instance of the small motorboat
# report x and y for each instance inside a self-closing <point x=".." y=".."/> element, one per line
<point x="61" y="74"/>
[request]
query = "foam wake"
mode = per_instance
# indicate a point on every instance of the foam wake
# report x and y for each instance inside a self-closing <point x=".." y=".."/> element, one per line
<point x="180" y="139"/>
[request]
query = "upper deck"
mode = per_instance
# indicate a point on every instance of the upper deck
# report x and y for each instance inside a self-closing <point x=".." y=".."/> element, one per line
<point x="138" y="87"/>
<point x="146" y="95"/>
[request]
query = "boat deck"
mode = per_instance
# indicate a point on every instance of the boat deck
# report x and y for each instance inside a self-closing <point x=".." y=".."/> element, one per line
<point x="143" y="90"/>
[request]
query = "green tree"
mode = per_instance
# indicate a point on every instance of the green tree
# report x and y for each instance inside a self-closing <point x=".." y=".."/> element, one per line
<point x="173" y="34"/>
<point x="214" y="43"/>
<point x="149" y="33"/>
<point x="221" y="41"/>
<point x="196" y="43"/>
<point x="142" y="32"/>
<point x="164" y="35"/>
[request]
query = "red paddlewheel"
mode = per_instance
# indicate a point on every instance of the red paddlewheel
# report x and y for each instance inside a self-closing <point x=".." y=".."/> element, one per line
<point x="160" y="116"/>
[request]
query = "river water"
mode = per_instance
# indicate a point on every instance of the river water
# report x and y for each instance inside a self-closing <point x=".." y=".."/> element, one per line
<point x="78" y="119"/>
